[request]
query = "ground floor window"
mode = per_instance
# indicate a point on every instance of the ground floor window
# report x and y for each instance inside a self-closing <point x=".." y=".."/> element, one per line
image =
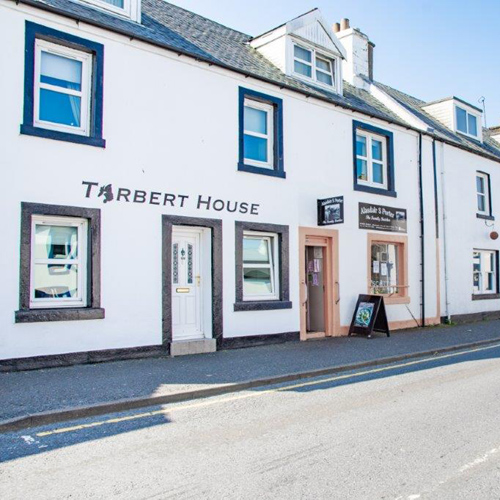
<point x="485" y="272"/>
<point x="388" y="267"/>
<point x="60" y="263"/>
<point x="262" y="267"/>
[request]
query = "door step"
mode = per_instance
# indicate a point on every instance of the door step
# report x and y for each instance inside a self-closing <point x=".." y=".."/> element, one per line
<point x="186" y="347"/>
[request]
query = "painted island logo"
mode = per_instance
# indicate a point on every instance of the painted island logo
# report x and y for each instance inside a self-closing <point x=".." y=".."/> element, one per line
<point x="109" y="193"/>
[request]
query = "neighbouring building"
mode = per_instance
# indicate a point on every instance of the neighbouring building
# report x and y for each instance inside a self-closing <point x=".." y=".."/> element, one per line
<point x="176" y="186"/>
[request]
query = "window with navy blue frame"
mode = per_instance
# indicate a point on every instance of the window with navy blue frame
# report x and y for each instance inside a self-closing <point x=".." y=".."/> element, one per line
<point x="373" y="159"/>
<point x="63" y="93"/>
<point x="260" y="134"/>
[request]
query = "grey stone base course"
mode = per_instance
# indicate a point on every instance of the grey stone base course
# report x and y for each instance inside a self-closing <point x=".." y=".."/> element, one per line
<point x="473" y="318"/>
<point x="255" y="340"/>
<point x="81" y="358"/>
<point x="57" y="416"/>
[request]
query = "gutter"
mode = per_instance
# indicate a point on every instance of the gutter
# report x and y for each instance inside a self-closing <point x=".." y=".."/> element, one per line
<point x="422" y="229"/>
<point x="210" y="62"/>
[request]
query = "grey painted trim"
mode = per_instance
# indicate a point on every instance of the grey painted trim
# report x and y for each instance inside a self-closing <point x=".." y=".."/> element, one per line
<point x="284" y="253"/>
<point x="93" y="215"/>
<point x="485" y="296"/>
<point x="256" y="340"/>
<point x="80" y="358"/>
<point x="168" y="221"/>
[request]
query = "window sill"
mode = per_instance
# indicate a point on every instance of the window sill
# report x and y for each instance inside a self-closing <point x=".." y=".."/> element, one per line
<point x="262" y="305"/>
<point x="374" y="190"/>
<point x="62" y="136"/>
<point x="485" y="217"/>
<point x="42" y="315"/>
<point x="396" y="300"/>
<point x="263" y="171"/>
<point x="485" y="296"/>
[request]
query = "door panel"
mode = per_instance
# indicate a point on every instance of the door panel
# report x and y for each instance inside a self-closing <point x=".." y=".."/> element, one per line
<point x="186" y="285"/>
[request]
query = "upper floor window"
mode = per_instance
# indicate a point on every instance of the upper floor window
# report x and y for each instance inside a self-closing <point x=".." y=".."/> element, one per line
<point x="373" y="160"/>
<point x="128" y="8"/>
<point x="260" y="133"/>
<point x="311" y="64"/>
<point x="466" y="122"/>
<point x="483" y="194"/>
<point x="63" y="91"/>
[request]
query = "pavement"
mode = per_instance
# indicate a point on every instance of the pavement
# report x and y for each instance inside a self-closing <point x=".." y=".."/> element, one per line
<point x="42" y="397"/>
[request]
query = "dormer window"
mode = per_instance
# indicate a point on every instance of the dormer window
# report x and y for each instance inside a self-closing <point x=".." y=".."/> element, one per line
<point x="466" y="122"/>
<point x="127" y="8"/>
<point x="308" y="63"/>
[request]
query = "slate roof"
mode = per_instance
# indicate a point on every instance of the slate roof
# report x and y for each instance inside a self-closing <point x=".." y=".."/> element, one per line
<point x="177" y="29"/>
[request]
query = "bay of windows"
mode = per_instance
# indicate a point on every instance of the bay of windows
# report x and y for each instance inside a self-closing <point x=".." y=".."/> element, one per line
<point x="466" y="122"/>
<point x="308" y="63"/>
<point x="484" y="274"/>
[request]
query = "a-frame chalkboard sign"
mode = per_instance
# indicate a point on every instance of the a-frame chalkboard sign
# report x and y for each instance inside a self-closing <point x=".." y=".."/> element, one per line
<point x="369" y="316"/>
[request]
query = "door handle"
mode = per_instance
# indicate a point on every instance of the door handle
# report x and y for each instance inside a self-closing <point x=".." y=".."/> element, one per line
<point x="338" y="292"/>
<point x="198" y="280"/>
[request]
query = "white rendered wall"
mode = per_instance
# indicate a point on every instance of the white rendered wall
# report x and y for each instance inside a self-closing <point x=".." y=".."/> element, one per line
<point x="171" y="125"/>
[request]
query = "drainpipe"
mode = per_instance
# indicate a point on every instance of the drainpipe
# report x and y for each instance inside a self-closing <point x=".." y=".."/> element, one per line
<point x="445" y="247"/>
<point x="422" y="228"/>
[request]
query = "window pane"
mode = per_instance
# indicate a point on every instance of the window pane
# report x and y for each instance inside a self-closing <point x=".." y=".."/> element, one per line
<point x="476" y="283"/>
<point x="361" y="168"/>
<point x="377" y="150"/>
<point x="361" y="145"/>
<point x="472" y="121"/>
<point x="324" y="78"/>
<point x="461" y="120"/>
<point x="303" y="69"/>
<point x="480" y="184"/>
<point x="116" y="3"/>
<point x="481" y="203"/>
<point x="255" y="148"/>
<point x="56" y="242"/>
<point x="378" y="173"/>
<point x="323" y="64"/>
<point x="384" y="268"/>
<point x="55" y="281"/>
<point x="491" y="282"/>
<point x="488" y="262"/>
<point x="476" y="261"/>
<point x="257" y="281"/>
<point x="301" y="53"/>
<point x="255" y="120"/>
<point x="61" y="71"/>
<point x="256" y="250"/>
<point x="59" y="108"/>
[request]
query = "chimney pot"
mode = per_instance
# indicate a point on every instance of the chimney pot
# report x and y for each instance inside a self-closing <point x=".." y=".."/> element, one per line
<point x="344" y="24"/>
<point x="336" y="27"/>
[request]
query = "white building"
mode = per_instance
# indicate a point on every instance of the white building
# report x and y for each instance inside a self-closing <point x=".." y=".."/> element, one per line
<point x="165" y="179"/>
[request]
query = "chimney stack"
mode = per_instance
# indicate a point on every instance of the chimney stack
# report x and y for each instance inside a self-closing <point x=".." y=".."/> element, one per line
<point x="344" y="24"/>
<point x="336" y="27"/>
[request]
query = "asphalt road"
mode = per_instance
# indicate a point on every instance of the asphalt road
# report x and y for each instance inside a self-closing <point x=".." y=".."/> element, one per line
<point x="427" y="429"/>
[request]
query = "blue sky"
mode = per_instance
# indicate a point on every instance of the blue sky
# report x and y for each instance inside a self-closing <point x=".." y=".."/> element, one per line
<point x="427" y="48"/>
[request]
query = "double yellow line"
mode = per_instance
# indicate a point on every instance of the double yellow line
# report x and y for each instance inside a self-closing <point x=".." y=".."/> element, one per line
<point x="212" y="402"/>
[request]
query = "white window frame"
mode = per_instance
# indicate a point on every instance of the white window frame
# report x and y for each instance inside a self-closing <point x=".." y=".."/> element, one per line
<point x="272" y="239"/>
<point x="125" y="11"/>
<point x="483" y="278"/>
<point x="84" y="94"/>
<point x="486" y="194"/>
<point x="80" y="261"/>
<point x="467" y="114"/>
<point x="269" y="109"/>
<point x="369" y="136"/>
<point x="315" y="54"/>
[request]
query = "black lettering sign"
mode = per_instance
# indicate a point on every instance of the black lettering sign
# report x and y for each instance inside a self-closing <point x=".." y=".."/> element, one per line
<point x="331" y="211"/>
<point x="381" y="218"/>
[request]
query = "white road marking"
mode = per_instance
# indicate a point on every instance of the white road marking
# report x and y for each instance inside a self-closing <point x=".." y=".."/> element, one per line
<point x="479" y="460"/>
<point x="29" y="439"/>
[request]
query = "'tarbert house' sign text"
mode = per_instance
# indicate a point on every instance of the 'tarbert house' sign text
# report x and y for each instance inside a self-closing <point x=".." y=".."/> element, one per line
<point x="108" y="193"/>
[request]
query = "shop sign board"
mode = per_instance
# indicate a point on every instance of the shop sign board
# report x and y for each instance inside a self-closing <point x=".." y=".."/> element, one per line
<point x="369" y="316"/>
<point x="381" y="218"/>
<point x="331" y="211"/>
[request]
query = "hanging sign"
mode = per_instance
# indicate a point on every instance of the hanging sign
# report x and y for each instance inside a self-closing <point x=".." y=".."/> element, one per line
<point x="369" y="316"/>
<point x="381" y="218"/>
<point x="331" y="211"/>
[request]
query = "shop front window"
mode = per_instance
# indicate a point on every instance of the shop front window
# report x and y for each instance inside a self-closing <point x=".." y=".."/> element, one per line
<point x="385" y="272"/>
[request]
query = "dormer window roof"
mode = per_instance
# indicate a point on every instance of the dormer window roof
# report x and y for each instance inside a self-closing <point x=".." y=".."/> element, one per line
<point x="305" y="48"/>
<point x="130" y="9"/>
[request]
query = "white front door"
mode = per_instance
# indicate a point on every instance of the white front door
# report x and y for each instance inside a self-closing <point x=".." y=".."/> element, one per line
<point x="187" y="294"/>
